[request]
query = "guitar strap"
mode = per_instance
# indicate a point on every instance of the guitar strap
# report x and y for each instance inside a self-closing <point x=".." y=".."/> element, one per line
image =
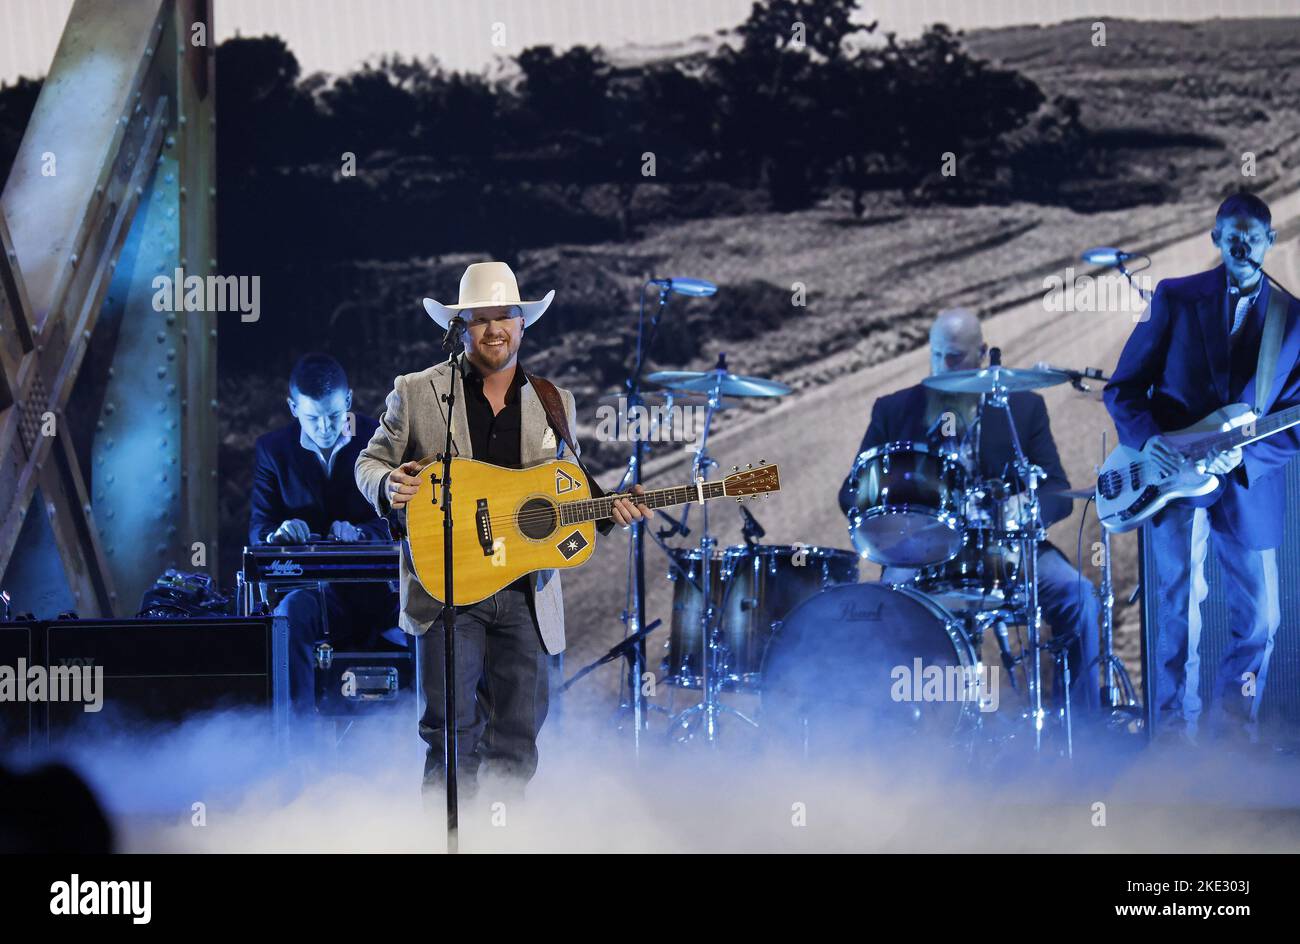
<point x="554" y="406"/>
<point x="1270" y="345"/>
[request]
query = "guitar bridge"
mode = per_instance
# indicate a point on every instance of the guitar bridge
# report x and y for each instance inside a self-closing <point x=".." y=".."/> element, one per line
<point x="483" y="524"/>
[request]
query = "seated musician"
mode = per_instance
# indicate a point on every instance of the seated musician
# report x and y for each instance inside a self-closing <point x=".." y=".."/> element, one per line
<point x="1069" y="602"/>
<point x="304" y="491"/>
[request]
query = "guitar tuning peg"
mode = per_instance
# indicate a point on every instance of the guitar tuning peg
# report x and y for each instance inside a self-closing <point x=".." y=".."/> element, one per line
<point x="735" y="468"/>
<point x="738" y="501"/>
<point x="762" y="462"/>
<point x="750" y="465"/>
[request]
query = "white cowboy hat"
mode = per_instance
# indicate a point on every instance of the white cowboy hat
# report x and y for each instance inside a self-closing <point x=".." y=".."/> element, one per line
<point x="487" y="285"/>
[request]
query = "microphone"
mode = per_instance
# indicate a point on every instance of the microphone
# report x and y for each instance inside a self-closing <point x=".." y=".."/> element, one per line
<point x="752" y="528"/>
<point x="1105" y="256"/>
<point x="1241" y="253"/>
<point x="695" y="288"/>
<point x="1077" y="377"/>
<point x="453" y="339"/>
<point x="1009" y="661"/>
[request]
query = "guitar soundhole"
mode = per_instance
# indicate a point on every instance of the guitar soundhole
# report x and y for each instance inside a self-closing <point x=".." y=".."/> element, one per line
<point x="537" y="518"/>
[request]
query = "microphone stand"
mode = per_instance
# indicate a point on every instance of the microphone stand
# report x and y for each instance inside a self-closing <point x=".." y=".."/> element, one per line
<point x="634" y="610"/>
<point x="453" y="342"/>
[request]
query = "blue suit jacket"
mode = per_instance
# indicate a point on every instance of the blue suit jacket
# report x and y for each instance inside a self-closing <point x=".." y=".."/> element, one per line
<point x="901" y="415"/>
<point x="289" y="482"/>
<point x="1174" y="369"/>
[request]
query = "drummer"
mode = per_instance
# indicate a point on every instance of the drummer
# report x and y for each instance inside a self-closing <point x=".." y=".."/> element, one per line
<point x="920" y="414"/>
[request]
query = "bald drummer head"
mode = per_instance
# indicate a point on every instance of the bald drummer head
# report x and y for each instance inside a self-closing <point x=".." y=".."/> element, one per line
<point x="956" y="341"/>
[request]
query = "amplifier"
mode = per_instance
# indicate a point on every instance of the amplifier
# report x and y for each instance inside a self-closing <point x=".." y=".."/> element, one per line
<point x="1279" y="708"/>
<point x="19" y="646"/>
<point x="166" y="670"/>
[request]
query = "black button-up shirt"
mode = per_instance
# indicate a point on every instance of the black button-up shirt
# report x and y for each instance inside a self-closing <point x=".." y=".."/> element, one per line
<point x="495" y="436"/>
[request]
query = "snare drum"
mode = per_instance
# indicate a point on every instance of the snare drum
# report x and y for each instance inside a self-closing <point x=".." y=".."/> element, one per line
<point x="907" y="504"/>
<point x="985" y="570"/>
<point x="753" y="588"/>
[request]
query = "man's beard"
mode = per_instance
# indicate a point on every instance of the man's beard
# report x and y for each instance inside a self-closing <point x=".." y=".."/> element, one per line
<point x="497" y="356"/>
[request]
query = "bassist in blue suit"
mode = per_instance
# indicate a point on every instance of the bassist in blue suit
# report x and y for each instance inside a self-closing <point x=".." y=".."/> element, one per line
<point x="1197" y="350"/>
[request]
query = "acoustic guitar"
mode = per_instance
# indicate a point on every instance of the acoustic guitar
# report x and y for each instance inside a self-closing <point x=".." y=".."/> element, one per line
<point x="511" y="522"/>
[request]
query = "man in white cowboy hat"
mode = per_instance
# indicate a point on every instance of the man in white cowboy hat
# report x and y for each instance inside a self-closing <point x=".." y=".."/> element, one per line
<point x="499" y="417"/>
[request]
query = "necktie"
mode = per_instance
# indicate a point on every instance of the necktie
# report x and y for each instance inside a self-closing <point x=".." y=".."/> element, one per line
<point x="1239" y="314"/>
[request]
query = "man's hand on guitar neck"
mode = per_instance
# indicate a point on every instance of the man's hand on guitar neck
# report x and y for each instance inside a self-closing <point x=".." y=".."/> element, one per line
<point x="625" y="512"/>
<point x="1169" y="459"/>
<point x="1224" y="462"/>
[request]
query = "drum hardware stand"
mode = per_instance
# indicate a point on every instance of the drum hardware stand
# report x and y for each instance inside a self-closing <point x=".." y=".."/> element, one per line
<point x="1060" y="649"/>
<point x="1118" y="696"/>
<point x="1028" y="474"/>
<point x="710" y="705"/>
<point x="627" y="649"/>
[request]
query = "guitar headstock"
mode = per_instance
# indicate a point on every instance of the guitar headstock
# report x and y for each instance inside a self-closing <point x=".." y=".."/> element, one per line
<point x="751" y="481"/>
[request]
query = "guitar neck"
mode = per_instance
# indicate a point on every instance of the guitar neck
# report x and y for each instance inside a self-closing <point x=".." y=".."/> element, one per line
<point x="1252" y="432"/>
<point x="595" y="509"/>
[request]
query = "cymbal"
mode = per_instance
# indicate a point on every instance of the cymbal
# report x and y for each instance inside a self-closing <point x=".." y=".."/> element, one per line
<point x="666" y="398"/>
<point x="985" y="379"/>
<point x="725" y="382"/>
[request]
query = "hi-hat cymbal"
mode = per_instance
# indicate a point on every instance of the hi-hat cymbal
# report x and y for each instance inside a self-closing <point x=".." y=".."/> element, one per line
<point x="987" y="379"/>
<point x="724" y="382"/>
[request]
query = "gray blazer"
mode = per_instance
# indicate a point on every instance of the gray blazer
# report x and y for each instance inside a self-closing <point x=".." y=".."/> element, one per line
<point x="414" y="426"/>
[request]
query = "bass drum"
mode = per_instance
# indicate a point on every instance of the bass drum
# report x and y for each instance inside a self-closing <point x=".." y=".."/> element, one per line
<point x="867" y="667"/>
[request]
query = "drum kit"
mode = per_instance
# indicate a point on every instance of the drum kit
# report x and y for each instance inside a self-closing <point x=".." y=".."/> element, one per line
<point x="793" y="625"/>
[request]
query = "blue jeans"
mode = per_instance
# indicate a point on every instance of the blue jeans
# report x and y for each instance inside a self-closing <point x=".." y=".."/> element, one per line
<point x="1180" y="539"/>
<point x="502" y="692"/>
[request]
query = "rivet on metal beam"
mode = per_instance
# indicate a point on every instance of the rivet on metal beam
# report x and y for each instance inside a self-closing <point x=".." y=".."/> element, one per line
<point x="171" y="140"/>
<point x="73" y="258"/>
